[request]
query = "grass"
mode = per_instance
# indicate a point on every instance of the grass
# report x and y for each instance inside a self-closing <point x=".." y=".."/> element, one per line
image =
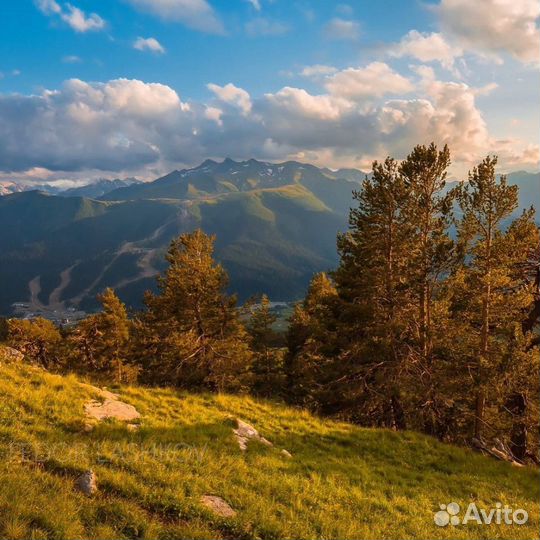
<point x="342" y="482"/>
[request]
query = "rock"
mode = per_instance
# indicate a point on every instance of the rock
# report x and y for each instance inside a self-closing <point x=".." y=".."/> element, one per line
<point x="7" y="354"/>
<point x="244" y="433"/>
<point x="133" y="427"/>
<point x="86" y="483"/>
<point x="111" y="409"/>
<point x="218" y="505"/>
<point x="286" y="453"/>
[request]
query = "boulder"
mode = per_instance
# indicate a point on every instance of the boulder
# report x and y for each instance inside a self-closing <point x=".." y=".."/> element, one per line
<point x="244" y="433"/>
<point x="111" y="409"/>
<point x="218" y="506"/>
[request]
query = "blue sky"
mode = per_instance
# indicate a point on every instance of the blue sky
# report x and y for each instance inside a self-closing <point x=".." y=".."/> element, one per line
<point x="113" y="87"/>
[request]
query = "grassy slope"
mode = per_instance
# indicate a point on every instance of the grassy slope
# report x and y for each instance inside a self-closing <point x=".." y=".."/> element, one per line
<point x="343" y="481"/>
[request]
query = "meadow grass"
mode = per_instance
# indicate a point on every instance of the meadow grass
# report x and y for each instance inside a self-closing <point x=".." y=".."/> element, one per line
<point x="343" y="481"/>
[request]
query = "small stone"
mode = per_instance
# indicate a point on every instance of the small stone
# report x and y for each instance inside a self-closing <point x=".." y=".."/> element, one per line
<point x="133" y="427"/>
<point x="286" y="453"/>
<point x="217" y="505"/>
<point x="244" y="433"/>
<point x="86" y="483"/>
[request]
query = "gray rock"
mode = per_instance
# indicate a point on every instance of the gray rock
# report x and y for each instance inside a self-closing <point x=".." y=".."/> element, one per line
<point x="244" y="433"/>
<point x="86" y="483"/>
<point x="111" y="409"/>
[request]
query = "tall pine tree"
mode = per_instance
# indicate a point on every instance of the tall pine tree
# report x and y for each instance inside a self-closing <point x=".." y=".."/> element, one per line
<point x="191" y="334"/>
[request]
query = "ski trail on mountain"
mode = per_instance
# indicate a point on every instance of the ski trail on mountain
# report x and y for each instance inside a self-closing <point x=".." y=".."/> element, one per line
<point x="56" y="295"/>
<point x="144" y="262"/>
<point x="34" y="285"/>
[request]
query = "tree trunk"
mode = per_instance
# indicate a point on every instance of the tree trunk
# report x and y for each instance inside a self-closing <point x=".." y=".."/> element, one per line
<point x="479" y="414"/>
<point x="484" y="344"/>
<point x="517" y="405"/>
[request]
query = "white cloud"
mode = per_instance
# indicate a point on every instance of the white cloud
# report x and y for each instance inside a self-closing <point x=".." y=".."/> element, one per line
<point x="49" y="7"/>
<point x="317" y="70"/>
<point x="262" y="26"/>
<point x="374" y="80"/>
<point x="339" y="28"/>
<point x="196" y="14"/>
<point x="79" y="21"/>
<point x="148" y="44"/>
<point x="76" y="18"/>
<point x="426" y="48"/>
<point x="255" y="3"/>
<point x="129" y="125"/>
<point x="232" y="95"/>
<point x="492" y="27"/>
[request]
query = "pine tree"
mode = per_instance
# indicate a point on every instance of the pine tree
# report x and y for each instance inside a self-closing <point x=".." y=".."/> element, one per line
<point x="311" y="343"/>
<point x="268" y="359"/>
<point x="100" y="343"/>
<point x="374" y="300"/>
<point x="190" y="334"/>
<point x="495" y="298"/>
<point x="39" y="340"/>
<point x="430" y="258"/>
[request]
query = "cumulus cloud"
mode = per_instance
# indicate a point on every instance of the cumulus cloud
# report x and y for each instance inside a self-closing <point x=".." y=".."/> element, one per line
<point x="196" y="14"/>
<point x="76" y="18"/>
<point x="338" y="28"/>
<point x="494" y="26"/>
<point x="129" y="125"/>
<point x="374" y="80"/>
<point x="232" y="95"/>
<point x="426" y="48"/>
<point x="148" y="44"/>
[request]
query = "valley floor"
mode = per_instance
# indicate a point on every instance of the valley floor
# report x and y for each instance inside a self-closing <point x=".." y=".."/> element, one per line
<point x="342" y="481"/>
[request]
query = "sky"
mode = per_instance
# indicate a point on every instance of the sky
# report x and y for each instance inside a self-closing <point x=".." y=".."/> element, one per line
<point x="115" y="88"/>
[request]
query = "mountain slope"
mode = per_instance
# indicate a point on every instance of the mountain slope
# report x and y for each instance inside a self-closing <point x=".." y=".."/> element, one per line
<point x="341" y="482"/>
<point x="276" y="225"/>
<point x="270" y="240"/>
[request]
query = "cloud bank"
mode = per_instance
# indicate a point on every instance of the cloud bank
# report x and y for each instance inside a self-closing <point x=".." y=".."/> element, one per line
<point x="130" y="125"/>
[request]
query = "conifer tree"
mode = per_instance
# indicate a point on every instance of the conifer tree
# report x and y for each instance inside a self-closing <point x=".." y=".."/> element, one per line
<point x="374" y="300"/>
<point x="190" y="334"/>
<point x="267" y="366"/>
<point x="100" y="342"/>
<point x="39" y="340"/>
<point x="311" y="343"/>
<point x="430" y="258"/>
<point x="495" y="299"/>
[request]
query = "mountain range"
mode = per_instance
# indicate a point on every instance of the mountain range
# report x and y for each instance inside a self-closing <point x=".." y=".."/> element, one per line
<point x="92" y="190"/>
<point x="275" y="225"/>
